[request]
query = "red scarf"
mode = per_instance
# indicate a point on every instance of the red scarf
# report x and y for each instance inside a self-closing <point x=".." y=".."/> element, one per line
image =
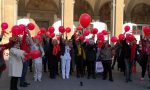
<point x="56" y="49"/>
<point x="133" y="51"/>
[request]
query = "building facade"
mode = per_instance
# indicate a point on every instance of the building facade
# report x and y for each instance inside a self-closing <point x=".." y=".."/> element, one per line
<point x="45" y="12"/>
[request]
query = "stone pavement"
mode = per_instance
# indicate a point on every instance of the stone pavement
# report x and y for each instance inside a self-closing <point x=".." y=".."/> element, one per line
<point x="74" y="84"/>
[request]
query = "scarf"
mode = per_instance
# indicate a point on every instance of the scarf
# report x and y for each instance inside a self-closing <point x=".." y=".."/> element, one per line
<point x="133" y="51"/>
<point x="56" y="49"/>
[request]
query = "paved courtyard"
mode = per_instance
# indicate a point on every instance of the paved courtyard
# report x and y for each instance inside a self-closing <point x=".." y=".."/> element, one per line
<point x="74" y="83"/>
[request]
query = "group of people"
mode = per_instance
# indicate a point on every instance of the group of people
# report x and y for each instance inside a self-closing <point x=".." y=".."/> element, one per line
<point x="73" y="55"/>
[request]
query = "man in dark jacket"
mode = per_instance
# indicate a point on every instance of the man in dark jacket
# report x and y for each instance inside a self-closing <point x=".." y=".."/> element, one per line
<point x="91" y="58"/>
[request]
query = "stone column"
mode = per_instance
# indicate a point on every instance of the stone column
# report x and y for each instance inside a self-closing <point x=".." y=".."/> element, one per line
<point x="2" y="16"/>
<point x="1" y="11"/>
<point x="119" y="17"/>
<point x="10" y="11"/>
<point x="68" y="15"/>
<point x="9" y="15"/>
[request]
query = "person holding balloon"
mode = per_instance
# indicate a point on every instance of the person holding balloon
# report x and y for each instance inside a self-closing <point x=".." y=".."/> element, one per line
<point x="16" y="57"/>
<point x="54" y="50"/>
<point x="91" y="58"/>
<point x="65" y="58"/>
<point x="3" y="47"/>
<point x="38" y="61"/>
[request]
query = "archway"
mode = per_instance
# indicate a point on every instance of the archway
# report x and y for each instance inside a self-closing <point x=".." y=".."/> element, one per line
<point x="82" y="6"/>
<point x="140" y="14"/>
<point x="42" y="11"/>
<point x="105" y="14"/>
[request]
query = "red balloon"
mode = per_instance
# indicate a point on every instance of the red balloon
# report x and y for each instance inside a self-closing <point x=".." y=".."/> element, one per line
<point x="51" y="29"/>
<point x="100" y="36"/>
<point x="43" y="30"/>
<point x="48" y="34"/>
<point x="127" y="28"/>
<point x="38" y="37"/>
<point x="16" y="30"/>
<point x="130" y="37"/>
<point x="35" y="54"/>
<point x="121" y="37"/>
<point x="68" y="29"/>
<point x="94" y="31"/>
<point x="53" y="35"/>
<point x="146" y="31"/>
<point x="105" y="32"/>
<point x="58" y="38"/>
<point x="85" y="20"/>
<point x="39" y="33"/>
<point x="86" y="32"/>
<point x="61" y="29"/>
<point x="4" y="26"/>
<point x="79" y="28"/>
<point x="31" y="26"/>
<point x="22" y="28"/>
<point x="81" y="38"/>
<point x="87" y="40"/>
<point x="114" y="39"/>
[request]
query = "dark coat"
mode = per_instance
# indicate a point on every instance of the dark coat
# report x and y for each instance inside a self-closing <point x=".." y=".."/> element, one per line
<point x="91" y="52"/>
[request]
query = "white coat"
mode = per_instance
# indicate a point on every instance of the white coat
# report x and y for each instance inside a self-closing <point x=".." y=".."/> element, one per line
<point x="15" y="62"/>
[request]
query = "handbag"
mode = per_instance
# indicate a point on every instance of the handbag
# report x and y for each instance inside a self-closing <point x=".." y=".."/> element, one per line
<point x="99" y="67"/>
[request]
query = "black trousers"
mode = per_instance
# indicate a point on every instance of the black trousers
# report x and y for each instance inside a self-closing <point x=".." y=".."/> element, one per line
<point x="143" y="64"/>
<point x="79" y="66"/>
<point x="45" y="64"/>
<point x="53" y="63"/>
<point x="13" y="83"/>
<point x="30" y="65"/>
<point x="107" y="69"/>
<point x="91" y="68"/>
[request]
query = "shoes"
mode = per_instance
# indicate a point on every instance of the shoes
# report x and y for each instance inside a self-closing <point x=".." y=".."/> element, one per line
<point x="104" y="78"/>
<point x="23" y="85"/>
<point x="67" y="77"/>
<point x="39" y="80"/>
<point x="27" y="83"/>
<point x="111" y="80"/>
<point x="142" y="79"/>
<point x="130" y="80"/>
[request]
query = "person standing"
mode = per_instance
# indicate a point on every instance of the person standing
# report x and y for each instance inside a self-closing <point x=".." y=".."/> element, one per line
<point x="25" y="46"/>
<point x="16" y="57"/>
<point x="91" y="58"/>
<point x="126" y="52"/>
<point x="38" y="62"/>
<point x="106" y="55"/>
<point x="65" y="58"/>
<point x="53" y="49"/>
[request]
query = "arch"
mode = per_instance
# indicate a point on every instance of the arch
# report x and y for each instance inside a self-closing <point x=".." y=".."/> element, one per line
<point x="132" y="4"/>
<point x="96" y="7"/>
<point x="82" y="6"/>
<point x="140" y="13"/>
<point x="105" y="12"/>
<point x="43" y="5"/>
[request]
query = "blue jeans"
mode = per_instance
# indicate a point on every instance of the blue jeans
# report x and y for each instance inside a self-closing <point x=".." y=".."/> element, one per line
<point x="24" y="72"/>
